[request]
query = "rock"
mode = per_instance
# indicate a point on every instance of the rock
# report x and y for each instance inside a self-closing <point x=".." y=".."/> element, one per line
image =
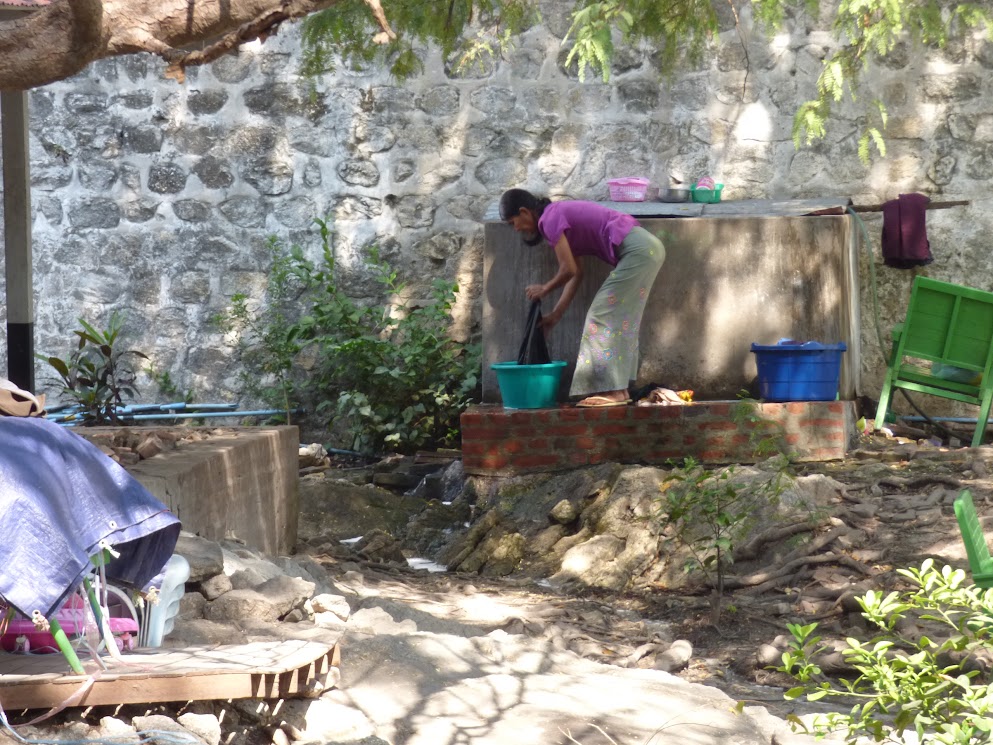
<point x="379" y="545"/>
<point x="313" y="455"/>
<point x="335" y="604"/>
<point x="205" y="726"/>
<point x="192" y="605"/>
<point x="340" y="510"/>
<point x="564" y="512"/>
<point x="306" y="568"/>
<point x="252" y="568"/>
<point x="378" y="621"/>
<point x="205" y="557"/>
<point x="269" y="601"/>
<point x="767" y="655"/>
<point x="328" y="719"/>
<point x="676" y="657"/>
<point x="160" y="723"/>
<point x="216" y="586"/>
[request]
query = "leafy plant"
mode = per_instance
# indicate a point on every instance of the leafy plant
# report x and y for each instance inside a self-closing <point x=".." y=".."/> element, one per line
<point x="708" y="511"/>
<point x="388" y="373"/>
<point x="167" y="386"/>
<point x="97" y="375"/>
<point x="929" y="683"/>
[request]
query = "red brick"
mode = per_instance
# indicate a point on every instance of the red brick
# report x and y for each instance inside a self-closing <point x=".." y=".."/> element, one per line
<point x="618" y="412"/>
<point x="837" y="407"/>
<point x="513" y="446"/>
<point x="796" y="407"/>
<point x="592" y="414"/>
<point x="475" y="447"/>
<point x="579" y="458"/>
<point x="523" y="417"/>
<point x="469" y="418"/>
<point x="485" y="433"/>
<point x="835" y="436"/>
<point x="826" y="423"/>
<point x="613" y="429"/>
<point x="585" y="443"/>
<point x="722" y="425"/>
<point x="718" y="409"/>
<point x="570" y="415"/>
<point x="740" y="439"/>
<point x="689" y="440"/>
<point x="538" y="445"/>
<point x="661" y="456"/>
<point x="567" y="429"/>
<point x="793" y="438"/>
<point x="595" y="458"/>
<point x="493" y="461"/>
<point x="642" y="412"/>
<point x="537" y="460"/>
<point x="713" y="456"/>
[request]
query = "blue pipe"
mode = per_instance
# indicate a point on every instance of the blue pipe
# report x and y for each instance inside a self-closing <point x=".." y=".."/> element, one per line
<point x="67" y="419"/>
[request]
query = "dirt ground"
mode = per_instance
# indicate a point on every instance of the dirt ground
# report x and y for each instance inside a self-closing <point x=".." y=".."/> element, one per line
<point x="894" y="510"/>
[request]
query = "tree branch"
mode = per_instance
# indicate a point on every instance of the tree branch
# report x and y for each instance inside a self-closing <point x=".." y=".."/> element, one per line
<point x="61" y="39"/>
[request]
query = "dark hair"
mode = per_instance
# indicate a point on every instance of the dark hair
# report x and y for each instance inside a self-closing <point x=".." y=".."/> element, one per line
<point x="514" y="199"/>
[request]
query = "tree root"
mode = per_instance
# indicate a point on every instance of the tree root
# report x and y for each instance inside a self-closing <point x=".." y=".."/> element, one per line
<point x="753" y="548"/>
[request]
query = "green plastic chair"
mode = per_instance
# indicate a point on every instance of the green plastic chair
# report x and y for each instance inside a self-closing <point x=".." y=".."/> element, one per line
<point x="976" y="548"/>
<point x="951" y="325"/>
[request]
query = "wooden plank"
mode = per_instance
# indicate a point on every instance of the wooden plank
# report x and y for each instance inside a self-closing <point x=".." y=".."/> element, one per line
<point x="276" y="669"/>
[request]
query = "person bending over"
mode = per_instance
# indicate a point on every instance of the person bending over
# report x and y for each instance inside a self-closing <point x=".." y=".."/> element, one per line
<point x="608" y="350"/>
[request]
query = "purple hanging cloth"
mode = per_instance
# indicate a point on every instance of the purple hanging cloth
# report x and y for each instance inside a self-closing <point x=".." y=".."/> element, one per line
<point x="905" y="243"/>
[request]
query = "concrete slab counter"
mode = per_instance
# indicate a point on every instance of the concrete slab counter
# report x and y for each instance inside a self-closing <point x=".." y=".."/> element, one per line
<point x="238" y="482"/>
<point x="735" y="273"/>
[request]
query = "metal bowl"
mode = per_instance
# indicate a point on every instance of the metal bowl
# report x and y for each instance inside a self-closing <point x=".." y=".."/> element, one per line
<point x="674" y="195"/>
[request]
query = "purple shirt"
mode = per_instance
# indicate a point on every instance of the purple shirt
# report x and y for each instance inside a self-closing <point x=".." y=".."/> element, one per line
<point x="590" y="228"/>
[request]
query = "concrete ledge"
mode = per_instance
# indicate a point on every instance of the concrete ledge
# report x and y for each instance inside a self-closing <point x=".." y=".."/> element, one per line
<point x="239" y="482"/>
<point x="503" y="442"/>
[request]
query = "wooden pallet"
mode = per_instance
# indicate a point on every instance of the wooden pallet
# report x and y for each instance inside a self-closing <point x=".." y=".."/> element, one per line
<point x="269" y="669"/>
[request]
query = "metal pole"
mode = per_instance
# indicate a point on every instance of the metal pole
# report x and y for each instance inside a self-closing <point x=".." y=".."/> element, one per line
<point x="17" y="238"/>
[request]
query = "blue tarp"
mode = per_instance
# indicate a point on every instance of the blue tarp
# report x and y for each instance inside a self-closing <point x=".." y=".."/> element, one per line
<point x="60" y="497"/>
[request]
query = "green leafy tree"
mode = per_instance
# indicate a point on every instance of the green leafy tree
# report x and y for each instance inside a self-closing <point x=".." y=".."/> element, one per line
<point x="679" y="33"/>
<point x="61" y="38"/>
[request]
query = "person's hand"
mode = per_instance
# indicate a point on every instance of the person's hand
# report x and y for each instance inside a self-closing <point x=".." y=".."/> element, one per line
<point x="534" y="292"/>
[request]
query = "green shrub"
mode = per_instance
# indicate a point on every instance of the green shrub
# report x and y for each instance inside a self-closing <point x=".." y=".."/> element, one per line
<point x="97" y="375"/>
<point x="931" y="683"/>
<point x="387" y="373"/>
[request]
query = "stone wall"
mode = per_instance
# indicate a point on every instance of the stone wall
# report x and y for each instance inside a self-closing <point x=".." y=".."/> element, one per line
<point x="157" y="198"/>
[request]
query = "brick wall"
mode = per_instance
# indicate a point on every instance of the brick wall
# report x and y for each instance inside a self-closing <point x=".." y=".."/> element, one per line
<point x="498" y="441"/>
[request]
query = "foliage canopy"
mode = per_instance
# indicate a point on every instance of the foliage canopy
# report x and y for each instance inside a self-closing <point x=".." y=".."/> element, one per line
<point x="679" y="32"/>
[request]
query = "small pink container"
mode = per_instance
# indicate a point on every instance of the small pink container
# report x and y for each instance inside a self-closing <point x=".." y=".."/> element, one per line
<point x="631" y="189"/>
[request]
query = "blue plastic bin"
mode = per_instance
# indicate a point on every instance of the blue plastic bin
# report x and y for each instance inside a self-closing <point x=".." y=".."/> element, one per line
<point x="791" y="371"/>
<point x="529" y="386"/>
